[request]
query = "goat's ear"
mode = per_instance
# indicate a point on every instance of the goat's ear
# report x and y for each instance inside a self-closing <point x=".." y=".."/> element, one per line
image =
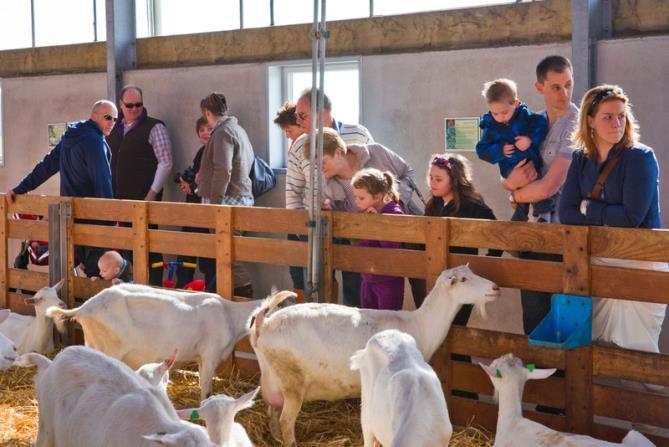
<point x="536" y="374"/>
<point x="246" y="401"/>
<point x="167" y="439"/>
<point x="189" y="414"/>
<point x="4" y="314"/>
<point x="492" y="372"/>
<point x="170" y="361"/>
<point x="59" y="285"/>
<point x="32" y="301"/>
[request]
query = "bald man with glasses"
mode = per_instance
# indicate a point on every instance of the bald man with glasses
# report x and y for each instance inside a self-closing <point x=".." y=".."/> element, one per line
<point x="83" y="159"/>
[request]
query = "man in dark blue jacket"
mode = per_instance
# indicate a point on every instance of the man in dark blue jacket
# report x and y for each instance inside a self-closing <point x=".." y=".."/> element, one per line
<point x="83" y="159"/>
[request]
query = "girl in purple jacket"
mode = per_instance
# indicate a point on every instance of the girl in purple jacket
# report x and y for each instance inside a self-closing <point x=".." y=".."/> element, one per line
<point x="376" y="192"/>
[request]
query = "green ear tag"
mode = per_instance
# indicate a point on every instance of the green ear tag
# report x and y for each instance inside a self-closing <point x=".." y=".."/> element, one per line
<point x="498" y="373"/>
<point x="161" y="433"/>
<point x="194" y="415"/>
<point x="530" y="367"/>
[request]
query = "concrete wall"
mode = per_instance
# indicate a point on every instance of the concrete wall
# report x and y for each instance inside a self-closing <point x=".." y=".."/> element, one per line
<point x="405" y="99"/>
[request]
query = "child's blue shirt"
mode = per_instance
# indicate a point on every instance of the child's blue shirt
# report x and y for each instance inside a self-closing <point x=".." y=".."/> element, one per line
<point x="495" y="135"/>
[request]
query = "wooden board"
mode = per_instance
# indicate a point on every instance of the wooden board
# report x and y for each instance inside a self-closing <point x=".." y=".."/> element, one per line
<point x="639" y="285"/>
<point x="615" y="434"/>
<point x="84" y="288"/>
<point x="15" y="303"/>
<point x="466" y="412"/>
<point x="4" y="252"/>
<point x="102" y="209"/>
<point x="270" y="251"/>
<point x="27" y="279"/>
<point x="102" y="236"/>
<point x="506" y="235"/>
<point x="543" y="276"/>
<point x="182" y="214"/>
<point x="32" y="204"/>
<point x="384" y="261"/>
<point x="491" y="344"/>
<point x="28" y="230"/>
<point x="631" y="365"/>
<point x="638" y="406"/>
<point x="629" y="243"/>
<point x="391" y="227"/>
<point x="270" y="220"/>
<point x="471" y="377"/>
<point x="176" y="242"/>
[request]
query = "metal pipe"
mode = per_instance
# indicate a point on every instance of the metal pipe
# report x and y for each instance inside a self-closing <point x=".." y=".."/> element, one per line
<point x="95" y="21"/>
<point x="32" y="21"/>
<point x="271" y="12"/>
<point x="241" y="14"/>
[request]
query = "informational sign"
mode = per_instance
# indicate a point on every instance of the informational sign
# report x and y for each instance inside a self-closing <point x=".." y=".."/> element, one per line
<point x="462" y="133"/>
<point x="54" y="133"/>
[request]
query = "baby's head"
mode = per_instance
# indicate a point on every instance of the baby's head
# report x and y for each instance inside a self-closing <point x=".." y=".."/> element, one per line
<point x="502" y="98"/>
<point x="110" y="265"/>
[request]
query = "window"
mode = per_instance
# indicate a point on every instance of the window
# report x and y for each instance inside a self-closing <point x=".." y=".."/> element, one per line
<point x="391" y="7"/>
<point x="286" y="82"/>
<point x="288" y="12"/>
<point x="15" y="25"/>
<point x="59" y="24"/>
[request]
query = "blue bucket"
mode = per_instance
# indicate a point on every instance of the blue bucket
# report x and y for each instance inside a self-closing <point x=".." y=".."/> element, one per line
<point x="567" y="326"/>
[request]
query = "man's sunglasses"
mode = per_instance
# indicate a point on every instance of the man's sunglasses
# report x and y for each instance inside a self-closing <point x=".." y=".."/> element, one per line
<point x="110" y="118"/>
<point x="131" y="105"/>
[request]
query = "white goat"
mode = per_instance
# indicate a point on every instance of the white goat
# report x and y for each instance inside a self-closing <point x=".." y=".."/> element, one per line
<point x="140" y="324"/>
<point x="402" y="400"/>
<point x="86" y="398"/>
<point x="508" y="377"/>
<point x="34" y="334"/>
<point x="304" y="351"/>
<point x="8" y="352"/>
<point x="158" y="374"/>
<point x="218" y="412"/>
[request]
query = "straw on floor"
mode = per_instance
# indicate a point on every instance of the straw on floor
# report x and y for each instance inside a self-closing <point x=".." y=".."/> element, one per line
<point x="323" y="424"/>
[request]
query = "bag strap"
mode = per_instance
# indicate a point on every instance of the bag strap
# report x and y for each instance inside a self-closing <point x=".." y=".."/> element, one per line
<point x="596" y="192"/>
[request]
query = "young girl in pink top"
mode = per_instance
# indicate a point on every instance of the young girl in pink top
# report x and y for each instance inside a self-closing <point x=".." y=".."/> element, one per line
<point x="376" y="192"/>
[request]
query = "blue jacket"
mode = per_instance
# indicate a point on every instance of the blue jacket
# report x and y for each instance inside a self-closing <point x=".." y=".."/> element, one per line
<point x="82" y="156"/>
<point x="630" y="197"/>
<point x="525" y="123"/>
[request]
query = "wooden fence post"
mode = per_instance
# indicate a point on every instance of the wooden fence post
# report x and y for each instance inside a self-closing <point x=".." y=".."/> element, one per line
<point x="437" y="235"/>
<point x="578" y="362"/>
<point x="225" y="286"/>
<point x="140" y="242"/>
<point x="3" y="252"/>
<point x="69" y="256"/>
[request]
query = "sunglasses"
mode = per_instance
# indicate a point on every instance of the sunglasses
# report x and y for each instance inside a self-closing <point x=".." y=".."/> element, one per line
<point x="132" y="105"/>
<point x="602" y="95"/>
<point x="110" y="118"/>
<point x="440" y="161"/>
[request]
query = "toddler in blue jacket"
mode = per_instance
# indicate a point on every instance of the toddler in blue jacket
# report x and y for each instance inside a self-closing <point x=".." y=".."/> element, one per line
<point x="511" y="133"/>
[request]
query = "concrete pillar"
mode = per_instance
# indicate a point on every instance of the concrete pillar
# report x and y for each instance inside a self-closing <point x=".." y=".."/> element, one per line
<point x="591" y="21"/>
<point x="121" y="43"/>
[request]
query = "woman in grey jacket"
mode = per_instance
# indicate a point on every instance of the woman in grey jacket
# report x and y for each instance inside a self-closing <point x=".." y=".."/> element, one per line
<point x="341" y="162"/>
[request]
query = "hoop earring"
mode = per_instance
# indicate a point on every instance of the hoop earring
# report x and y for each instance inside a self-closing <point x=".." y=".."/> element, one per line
<point x="592" y="134"/>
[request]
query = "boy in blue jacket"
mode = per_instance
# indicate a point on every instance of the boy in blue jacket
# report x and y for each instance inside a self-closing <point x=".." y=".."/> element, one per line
<point x="511" y="133"/>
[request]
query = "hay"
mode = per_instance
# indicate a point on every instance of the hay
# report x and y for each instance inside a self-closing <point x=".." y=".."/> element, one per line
<point x="322" y="424"/>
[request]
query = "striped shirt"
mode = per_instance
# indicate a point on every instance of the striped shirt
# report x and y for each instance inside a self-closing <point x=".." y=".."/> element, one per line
<point x="297" y="176"/>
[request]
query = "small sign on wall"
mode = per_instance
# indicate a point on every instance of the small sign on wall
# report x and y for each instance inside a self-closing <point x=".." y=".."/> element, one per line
<point x="462" y="133"/>
<point x="55" y="133"/>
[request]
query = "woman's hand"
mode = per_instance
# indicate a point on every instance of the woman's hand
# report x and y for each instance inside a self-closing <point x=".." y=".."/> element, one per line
<point x="185" y="187"/>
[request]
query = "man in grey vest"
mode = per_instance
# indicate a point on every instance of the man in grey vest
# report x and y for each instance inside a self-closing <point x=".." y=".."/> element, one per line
<point x="141" y="157"/>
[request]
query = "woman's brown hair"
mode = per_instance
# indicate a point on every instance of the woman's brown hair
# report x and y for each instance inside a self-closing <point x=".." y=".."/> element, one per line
<point x="583" y="136"/>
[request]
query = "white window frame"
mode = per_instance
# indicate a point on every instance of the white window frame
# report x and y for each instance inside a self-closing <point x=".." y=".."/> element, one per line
<point x="279" y="85"/>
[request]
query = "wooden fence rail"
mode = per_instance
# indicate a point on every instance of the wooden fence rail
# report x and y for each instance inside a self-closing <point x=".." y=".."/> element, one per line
<point x="258" y="235"/>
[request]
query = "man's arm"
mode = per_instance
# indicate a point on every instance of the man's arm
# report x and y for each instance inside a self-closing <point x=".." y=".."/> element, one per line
<point x="224" y="148"/>
<point x="99" y="171"/>
<point x="42" y="172"/>
<point x="162" y="148"/>
<point x="547" y="186"/>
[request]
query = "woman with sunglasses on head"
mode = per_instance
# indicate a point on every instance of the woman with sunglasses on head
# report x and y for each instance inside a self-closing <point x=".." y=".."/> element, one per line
<point x="610" y="154"/>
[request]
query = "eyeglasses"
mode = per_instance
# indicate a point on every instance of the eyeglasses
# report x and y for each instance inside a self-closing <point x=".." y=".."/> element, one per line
<point x="110" y="118"/>
<point x="132" y="105"/>
<point x="440" y="161"/>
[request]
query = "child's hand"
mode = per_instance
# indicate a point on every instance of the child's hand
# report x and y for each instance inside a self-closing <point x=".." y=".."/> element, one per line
<point x="371" y="210"/>
<point x="94" y="278"/>
<point x="508" y="149"/>
<point x="523" y="143"/>
<point x="116" y="281"/>
<point x="325" y="205"/>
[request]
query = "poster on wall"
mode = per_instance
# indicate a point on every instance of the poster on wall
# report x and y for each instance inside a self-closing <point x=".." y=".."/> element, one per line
<point x="54" y="133"/>
<point x="462" y="133"/>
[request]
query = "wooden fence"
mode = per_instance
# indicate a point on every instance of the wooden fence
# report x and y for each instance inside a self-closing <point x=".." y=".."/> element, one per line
<point x="579" y="392"/>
